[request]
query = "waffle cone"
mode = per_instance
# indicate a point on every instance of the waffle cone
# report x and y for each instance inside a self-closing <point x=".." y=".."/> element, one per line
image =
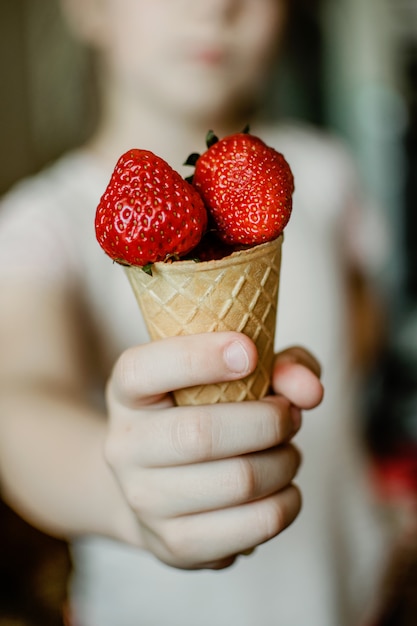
<point x="238" y="292"/>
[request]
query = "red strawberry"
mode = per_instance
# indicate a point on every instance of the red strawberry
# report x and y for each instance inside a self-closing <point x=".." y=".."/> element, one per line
<point x="148" y="212"/>
<point x="247" y="187"/>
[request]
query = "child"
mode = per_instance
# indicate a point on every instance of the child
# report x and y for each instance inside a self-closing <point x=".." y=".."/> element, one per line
<point x="153" y="493"/>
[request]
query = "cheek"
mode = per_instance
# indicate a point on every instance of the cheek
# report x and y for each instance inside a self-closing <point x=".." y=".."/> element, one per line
<point x="256" y="54"/>
<point x="262" y="34"/>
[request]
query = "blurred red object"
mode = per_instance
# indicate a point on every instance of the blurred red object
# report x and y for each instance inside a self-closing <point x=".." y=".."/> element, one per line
<point x="395" y="475"/>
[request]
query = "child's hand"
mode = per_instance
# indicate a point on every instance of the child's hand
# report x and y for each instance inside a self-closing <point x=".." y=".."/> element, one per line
<point x="209" y="482"/>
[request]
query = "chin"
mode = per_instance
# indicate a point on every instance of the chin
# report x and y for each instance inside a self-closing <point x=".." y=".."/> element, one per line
<point x="210" y="101"/>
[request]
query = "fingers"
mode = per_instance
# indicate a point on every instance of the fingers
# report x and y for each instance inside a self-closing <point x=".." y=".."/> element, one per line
<point x="211" y="486"/>
<point x="145" y="373"/>
<point x="188" y="480"/>
<point x="187" y="435"/>
<point x="297" y="354"/>
<point x="296" y="376"/>
<point x="184" y="541"/>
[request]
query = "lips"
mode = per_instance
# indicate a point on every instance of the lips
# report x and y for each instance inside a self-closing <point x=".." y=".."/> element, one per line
<point x="209" y="55"/>
<point x="207" y="52"/>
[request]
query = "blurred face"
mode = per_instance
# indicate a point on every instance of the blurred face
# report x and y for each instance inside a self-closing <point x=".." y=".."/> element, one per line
<point x="199" y="56"/>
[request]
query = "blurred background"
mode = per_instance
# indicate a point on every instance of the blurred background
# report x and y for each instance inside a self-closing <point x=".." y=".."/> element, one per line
<point x="350" y="66"/>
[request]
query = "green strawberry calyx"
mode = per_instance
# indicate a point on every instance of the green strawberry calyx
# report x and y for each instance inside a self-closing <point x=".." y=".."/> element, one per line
<point x="211" y="140"/>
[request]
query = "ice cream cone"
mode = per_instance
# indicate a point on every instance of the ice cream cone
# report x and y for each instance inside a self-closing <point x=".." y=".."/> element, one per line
<point x="238" y="292"/>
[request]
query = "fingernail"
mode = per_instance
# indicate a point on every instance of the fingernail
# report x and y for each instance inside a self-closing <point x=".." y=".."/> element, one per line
<point x="236" y="358"/>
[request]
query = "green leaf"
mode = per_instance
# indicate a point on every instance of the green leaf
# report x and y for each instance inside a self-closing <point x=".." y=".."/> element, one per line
<point x="192" y="159"/>
<point x="190" y="179"/>
<point x="211" y="139"/>
<point x="246" y="130"/>
<point x="147" y="269"/>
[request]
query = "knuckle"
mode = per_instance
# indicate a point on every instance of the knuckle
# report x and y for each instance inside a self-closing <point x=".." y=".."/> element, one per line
<point x="277" y="423"/>
<point x="280" y="512"/>
<point x="282" y="419"/>
<point x="144" y="502"/>
<point x="138" y="500"/>
<point x="179" y="544"/>
<point x="134" y="497"/>
<point x="137" y="485"/>
<point x="245" y="483"/>
<point x="188" y="363"/>
<point x="125" y="371"/>
<point x="132" y="373"/>
<point x="273" y="519"/>
<point x="193" y="435"/>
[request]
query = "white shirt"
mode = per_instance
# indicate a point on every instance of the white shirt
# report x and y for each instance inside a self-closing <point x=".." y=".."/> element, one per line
<point x="321" y="571"/>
